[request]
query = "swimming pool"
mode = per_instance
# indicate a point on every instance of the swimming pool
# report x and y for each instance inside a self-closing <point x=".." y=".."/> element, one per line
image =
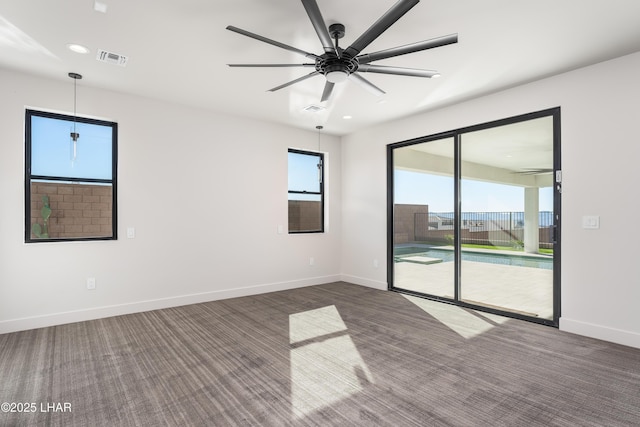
<point x="498" y="258"/>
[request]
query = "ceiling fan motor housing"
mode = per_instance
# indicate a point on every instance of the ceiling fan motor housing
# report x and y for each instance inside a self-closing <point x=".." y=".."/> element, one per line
<point x="330" y="63"/>
<point x="336" y="68"/>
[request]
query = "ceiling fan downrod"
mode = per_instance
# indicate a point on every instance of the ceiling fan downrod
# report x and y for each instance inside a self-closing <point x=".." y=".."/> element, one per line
<point x="337" y="32"/>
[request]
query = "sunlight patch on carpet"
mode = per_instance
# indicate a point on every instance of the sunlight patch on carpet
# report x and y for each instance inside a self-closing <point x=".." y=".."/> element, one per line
<point x="464" y="322"/>
<point x="326" y="366"/>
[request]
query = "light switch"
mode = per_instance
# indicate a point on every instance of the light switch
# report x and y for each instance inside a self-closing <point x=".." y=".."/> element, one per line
<point x="131" y="232"/>
<point x="591" y="222"/>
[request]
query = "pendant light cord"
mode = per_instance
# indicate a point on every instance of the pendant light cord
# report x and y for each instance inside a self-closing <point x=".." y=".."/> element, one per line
<point x="75" y="97"/>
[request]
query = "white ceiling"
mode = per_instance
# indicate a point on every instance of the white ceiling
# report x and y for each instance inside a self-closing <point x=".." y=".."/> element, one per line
<point x="518" y="147"/>
<point x="178" y="50"/>
<point x="518" y="154"/>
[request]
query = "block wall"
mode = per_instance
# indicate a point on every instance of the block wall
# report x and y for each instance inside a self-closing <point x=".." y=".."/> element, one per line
<point x="403" y="221"/>
<point x="305" y="215"/>
<point x="77" y="210"/>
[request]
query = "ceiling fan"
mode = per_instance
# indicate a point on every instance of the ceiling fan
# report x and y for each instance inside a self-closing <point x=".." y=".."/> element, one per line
<point x="539" y="171"/>
<point x="337" y="64"/>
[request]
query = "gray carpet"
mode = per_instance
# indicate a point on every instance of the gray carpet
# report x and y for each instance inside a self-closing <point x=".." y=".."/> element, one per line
<point x="335" y="354"/>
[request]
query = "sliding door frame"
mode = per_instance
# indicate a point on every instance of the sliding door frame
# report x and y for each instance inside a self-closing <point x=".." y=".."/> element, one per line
<point x="557" y="190"/>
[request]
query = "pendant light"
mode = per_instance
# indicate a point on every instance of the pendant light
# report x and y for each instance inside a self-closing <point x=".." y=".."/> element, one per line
<point x="319" y="129"/>
<point x="74" y="135"/>
<point x="319" y="158"/>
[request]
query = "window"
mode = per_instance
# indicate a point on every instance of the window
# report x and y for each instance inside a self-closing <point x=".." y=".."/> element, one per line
<point x="70" y="183"/>
<point x="306" y="192"/>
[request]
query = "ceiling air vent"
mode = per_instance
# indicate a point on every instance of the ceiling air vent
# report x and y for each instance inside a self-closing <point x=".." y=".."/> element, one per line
<point x="112" y="58"/>
<point x="313" y="108"/>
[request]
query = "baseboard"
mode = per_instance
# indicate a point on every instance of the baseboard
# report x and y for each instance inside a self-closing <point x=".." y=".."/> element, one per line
<point x="619" y="336"/>
<point x="364" y="282"/>
<point x="15" y="325"/>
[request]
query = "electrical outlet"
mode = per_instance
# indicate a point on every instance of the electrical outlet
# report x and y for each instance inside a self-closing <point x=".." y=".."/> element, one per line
<point x="312" y="261"/>
<point x="91" y="283"/>
<point x="376" y="263"/>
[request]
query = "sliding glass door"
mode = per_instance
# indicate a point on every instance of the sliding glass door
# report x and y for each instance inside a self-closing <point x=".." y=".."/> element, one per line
<point x="474" y="217"/>
<point x="424" y="194"/>
<point x="506" y="197"/>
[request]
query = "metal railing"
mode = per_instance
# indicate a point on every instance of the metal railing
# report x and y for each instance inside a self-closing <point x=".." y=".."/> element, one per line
<point x="491" y="228"/>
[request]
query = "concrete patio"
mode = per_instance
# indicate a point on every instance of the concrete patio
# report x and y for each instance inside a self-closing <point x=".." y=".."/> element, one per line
<point x="524" y="290"/>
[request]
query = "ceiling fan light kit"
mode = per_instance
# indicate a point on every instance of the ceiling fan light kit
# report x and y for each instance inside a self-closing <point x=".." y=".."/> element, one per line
<point x="337" y="64"/>
<point x="337" y="76"/>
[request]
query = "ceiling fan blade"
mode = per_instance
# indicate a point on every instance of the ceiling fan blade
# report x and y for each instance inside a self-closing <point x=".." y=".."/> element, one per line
<point x="409" y="48"/>
<point x="366" y="84"/>
<point x="534" y="171"/>
<point x="320" y="26"/>
<point x="399" y="71"/>
<point x="379" y="27"/>
<point x="271" y="65"/>
<point x="271" y="42"/>
<point x="328" y="88"/>
<point x="299" y="79"/>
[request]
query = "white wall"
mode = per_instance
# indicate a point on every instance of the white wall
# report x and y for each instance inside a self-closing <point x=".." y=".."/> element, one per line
<point x="204" y="191"/>
<point x="600" y="113"/>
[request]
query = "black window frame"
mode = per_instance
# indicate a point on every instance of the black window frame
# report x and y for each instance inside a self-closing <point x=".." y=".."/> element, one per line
<point x="29" y="113"/>
<point x="321" y="176"/>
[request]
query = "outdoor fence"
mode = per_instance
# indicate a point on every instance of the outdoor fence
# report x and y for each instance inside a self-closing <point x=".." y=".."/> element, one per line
<point x="484" y="228"/>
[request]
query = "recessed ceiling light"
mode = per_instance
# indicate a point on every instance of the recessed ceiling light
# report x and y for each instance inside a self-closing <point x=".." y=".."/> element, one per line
<point x="77" y="48"/>
<point x="100" y="7"/>
<point x="347" y="117"/>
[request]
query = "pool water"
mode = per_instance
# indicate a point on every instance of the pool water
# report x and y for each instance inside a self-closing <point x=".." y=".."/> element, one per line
<point x="503" y="259"/>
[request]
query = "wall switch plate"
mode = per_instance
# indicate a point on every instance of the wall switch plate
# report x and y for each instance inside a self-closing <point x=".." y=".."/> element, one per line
<point x="591" y="222"/>
<point x="99" y="6"/>
<point x="131" y="233"/>
<point x="280" y="229"/>
<point x="91" y="283"/>
<point x="312" y="261"/>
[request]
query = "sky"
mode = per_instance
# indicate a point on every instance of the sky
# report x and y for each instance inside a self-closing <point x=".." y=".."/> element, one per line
<point x="303" y="176"/>
<point x="52" y="149"/>
<point x="303" y="172"/>
<point x="437" y="192"/>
